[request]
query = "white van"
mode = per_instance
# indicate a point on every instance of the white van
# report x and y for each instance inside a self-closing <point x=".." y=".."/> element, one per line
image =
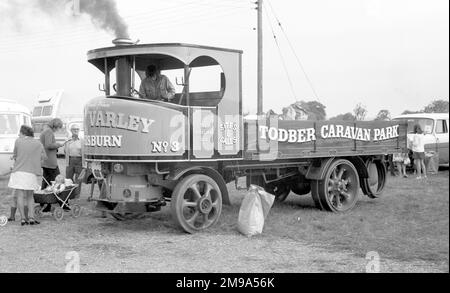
<point x="435" y="127"/>
<point x="12" y="116"/>
<point x="56" y="104"/>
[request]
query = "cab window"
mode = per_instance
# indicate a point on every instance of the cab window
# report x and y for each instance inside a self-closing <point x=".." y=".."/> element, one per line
<point x="47" y="111"/>
<point x="441" y="126"/>
<point x="425" y="124"/>
<point x="37" y="111"/>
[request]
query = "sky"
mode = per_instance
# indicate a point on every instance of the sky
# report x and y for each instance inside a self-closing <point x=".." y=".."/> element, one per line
<point x="384" y="54"/>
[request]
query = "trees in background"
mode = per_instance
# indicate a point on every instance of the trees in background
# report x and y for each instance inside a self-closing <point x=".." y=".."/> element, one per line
<point x="314" y="109"/>
<point x="343" y="117"/>
<point x="437" y="106"/>
<point x="409" y="112"/>
<point x="360" y="112"/>
<point x="383" y="115"/>
<point x="302" y="110"/>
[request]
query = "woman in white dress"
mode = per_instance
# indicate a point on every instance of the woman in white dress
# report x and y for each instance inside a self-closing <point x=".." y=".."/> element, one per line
<point x="28" y="153"/>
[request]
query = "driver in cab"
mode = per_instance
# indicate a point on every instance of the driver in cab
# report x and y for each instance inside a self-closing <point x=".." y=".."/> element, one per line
<point x="156" y="86"/>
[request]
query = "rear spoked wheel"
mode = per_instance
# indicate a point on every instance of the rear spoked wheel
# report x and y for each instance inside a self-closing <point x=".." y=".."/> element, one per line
<point x="373" y="186"/>
<point x="338" y="191"/>
<point x="196" y="203"/>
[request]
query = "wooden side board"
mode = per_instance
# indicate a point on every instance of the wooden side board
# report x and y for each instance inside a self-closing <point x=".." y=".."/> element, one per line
<point x="285" y="139"/>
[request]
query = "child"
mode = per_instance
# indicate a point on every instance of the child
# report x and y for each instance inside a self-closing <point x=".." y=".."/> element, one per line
<point x="401" y="159"/>
<point x="59" y="184"/>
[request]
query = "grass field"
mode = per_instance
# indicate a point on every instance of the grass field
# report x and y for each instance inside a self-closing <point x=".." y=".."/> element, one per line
<point x="408" y="228"/>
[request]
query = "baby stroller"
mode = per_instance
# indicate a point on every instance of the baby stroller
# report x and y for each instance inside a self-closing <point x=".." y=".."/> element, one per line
<point x="63" y="198"/>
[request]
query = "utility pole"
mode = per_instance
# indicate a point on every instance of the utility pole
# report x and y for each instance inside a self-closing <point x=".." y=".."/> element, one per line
<point x="260" y="57"/>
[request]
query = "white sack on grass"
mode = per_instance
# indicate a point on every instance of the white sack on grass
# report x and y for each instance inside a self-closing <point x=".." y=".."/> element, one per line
<point x="254" y="209"/>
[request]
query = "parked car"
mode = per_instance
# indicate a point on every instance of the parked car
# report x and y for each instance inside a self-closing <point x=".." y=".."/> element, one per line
<point x="435" y="127"/>
<point x="12" y="116"/>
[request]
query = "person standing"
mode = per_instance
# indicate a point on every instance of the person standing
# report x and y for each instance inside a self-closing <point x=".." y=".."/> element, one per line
<point x="401" y="159"/>
<point x="156" y="86"/>
<point x="418" y="148"/>
<point x="73" y="151"/>
<point x="28" y="154"/>
<point x="50" y="165"/>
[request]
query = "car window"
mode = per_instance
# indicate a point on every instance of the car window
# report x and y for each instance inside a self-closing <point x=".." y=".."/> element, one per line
<point x="441" y="126"/>
<point x="9" y="123"/>
<point x="426" y="124"/>
<point x="47" y="111"/>
<point x="37" y="111"/>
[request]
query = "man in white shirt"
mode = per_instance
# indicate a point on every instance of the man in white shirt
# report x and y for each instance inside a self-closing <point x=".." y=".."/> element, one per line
<point x="73" y="151"/>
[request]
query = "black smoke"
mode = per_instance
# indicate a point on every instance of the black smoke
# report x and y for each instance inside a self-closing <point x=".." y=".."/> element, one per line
<point x="103" y="13"/>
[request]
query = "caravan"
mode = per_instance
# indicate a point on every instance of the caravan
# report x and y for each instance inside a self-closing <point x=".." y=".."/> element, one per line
<point x="55" y="104"/>
<point x="12" y="116"/>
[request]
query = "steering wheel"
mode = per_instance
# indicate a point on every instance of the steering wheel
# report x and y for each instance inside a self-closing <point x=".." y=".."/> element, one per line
<point x="115" y="87"/>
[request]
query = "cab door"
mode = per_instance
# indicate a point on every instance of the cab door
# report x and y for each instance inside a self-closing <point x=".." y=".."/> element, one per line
<point x="430" y="140"/>
<point x="442" y="136"/>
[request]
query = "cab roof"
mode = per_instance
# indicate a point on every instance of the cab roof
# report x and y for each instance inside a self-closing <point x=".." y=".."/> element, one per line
<point x="167" y="55"/>
<point x="7" y="105"/>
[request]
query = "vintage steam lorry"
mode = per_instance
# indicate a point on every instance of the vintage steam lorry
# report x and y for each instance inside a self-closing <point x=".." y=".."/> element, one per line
<point x="149" y="152"/>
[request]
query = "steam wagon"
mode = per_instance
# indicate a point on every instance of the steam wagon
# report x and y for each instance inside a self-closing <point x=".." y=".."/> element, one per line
<point x="184" y="151"/>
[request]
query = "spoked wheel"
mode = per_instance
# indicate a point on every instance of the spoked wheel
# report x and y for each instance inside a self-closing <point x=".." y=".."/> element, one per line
<point x="126" y="216"/>
<point x="315" y="194"/>
<point x="38" y="211"/>
<point x="374" y="185"/>
<point x="75" y="210"/>
<point x="196" y="203"/>
<point x="338" y="191"/>
<point x="58" y="213"/>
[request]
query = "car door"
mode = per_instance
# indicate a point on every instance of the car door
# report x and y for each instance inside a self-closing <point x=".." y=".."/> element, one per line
<point x="430" y="142"/>
<point x="442" y="136"/>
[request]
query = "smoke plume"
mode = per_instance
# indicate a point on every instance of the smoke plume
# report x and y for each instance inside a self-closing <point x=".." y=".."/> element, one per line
<point x="103" y="13"/>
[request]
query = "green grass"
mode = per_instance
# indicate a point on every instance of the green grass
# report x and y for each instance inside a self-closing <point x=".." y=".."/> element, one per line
<point x="410" y="222"/>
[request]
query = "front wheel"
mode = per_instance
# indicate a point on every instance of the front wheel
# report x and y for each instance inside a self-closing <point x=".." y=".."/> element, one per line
<point x="338" y="191"/>
<point x="196" y="203"/>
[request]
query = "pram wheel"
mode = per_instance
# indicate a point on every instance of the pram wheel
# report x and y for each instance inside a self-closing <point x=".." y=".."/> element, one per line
<point x="58" y="214"/>
<point x="38" y="211"/>
<point x="76" y="210"/>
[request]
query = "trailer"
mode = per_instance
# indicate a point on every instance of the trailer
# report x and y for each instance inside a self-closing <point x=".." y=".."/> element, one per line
<point x="151" y="152"/>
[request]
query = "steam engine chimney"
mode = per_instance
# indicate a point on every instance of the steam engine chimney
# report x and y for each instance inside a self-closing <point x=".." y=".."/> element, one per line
<point x="123" y="42"/>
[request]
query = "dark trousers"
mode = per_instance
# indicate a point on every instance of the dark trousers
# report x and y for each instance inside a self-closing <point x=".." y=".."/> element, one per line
<point x="74" y="167"/>
<point x="74" y="170"/>
<point x="49" y="175"/>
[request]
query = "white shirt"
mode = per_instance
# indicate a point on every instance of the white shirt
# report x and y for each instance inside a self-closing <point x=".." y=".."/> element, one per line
<point x="418" y="145"/>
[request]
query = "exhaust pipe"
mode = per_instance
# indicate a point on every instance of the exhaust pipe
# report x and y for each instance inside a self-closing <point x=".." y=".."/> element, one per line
<point x="124" y="42"/>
